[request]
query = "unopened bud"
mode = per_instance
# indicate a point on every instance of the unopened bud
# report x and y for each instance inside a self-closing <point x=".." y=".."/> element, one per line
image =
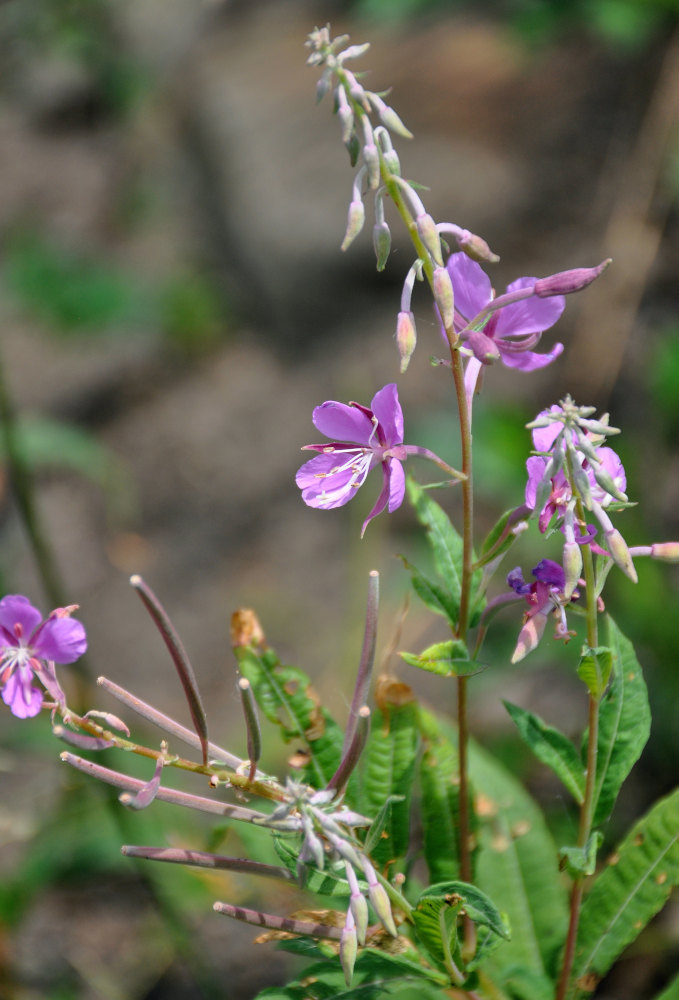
<point x="353" y="52"/>
<point x="371" y="158"/>
<point x="667" y="551"/>
<point x="485" y="350"/>
<point x="406" y="337"/>
<point x="617" y="546"/>
<point x="565" y="282"/>
<point x="476" y="247"/>
<point x="358" y="904"/>
<point x="388" y="116"/>
<point x="323" y="85"/>
<point x="355" y="222"/>
<point x="444" y="296"/>
<point x="381" y="243"/>
<point x="345" y="115"/>
<point x="379" y="899"/>
<point x="572" y="564"/>
<point x="348" y="948"/>
<point x="353" y="148"/>
<point x="426" y="227"/>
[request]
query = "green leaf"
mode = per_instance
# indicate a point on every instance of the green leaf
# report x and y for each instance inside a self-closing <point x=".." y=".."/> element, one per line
<point x="439" y="908"/>
<point x="595" y="669"/>
<point x="671" y="992"/>
<point x="517" y="863"/>
<point x="624" y="723"/>
<point x="376" y="828"/>
<point x="552" y="748"/>
<point x="580" y="861"/>
<point x="449" y="659"/>
<point x="285" y="696"/>
<point x="445" y="541"/>
<point x="388" y="768"/>
<point x="432" y="595"/>
<point x="330" y="882"/>
<point x="440" y="807"/>
<point x="632" y="888"/>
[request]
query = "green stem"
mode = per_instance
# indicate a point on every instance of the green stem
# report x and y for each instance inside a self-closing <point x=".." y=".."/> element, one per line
<point x="587" y="807"/>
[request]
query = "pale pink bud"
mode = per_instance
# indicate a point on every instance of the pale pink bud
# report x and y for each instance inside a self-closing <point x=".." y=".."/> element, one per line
<point x="406" y="337"/>
<point x="355" y="222"/>
<point x="348" y="948"/>
<point x="565" y="282"/>
<point x="485" y="350"/>
<point x="572" y="564"/>
<point x="476" y="247"/>
<point x="617" y="546"/>
<point x="444" y="296"/>
<point x="358" y="904"/>
<point x="426" y="227"/>
<point x="667" y="551"/>
<point x="379" y="899"/>
<point x="529" y="636"/>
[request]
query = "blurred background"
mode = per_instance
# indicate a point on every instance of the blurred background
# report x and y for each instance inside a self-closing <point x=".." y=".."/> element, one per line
<point x="174" y="304"/>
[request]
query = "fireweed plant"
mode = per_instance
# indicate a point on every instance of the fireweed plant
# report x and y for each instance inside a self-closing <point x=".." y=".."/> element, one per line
<point x="474" y="898"/>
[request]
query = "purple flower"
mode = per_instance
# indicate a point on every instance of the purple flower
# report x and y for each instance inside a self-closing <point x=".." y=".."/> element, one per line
<point x="545" y="596"/>
<point x="361" y="438"/>
<point x="30" y="647"/>
<point x="561" y="494"/>
<point x="509" y="331"/>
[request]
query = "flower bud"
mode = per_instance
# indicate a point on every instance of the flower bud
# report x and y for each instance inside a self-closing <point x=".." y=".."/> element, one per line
<point x="617" y="546"/>
<point x="388" y="116"/>
<point x="323" y="85"/>
<point x="485" y="350"/>
<point x="355" y="222"/>
<point x="426" y="227"/>
<point x="381" y="243"/>
<point x="379" y="899"/>
<point x="348" y="948"/>
<point x="358" y="904"/>
<point x="572" y="564"/>
<point x="476" y="247"/>
<point x="565" y="282"/>
<point x="667" y="551"/>
<point x="371" y="158"/>
<point x="345" y="115"/>
<point x="444" y="296"/>
<point x="406" y="337"/>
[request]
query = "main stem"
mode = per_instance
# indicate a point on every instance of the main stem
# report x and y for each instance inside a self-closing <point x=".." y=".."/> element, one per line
<point x="587" y="808"/>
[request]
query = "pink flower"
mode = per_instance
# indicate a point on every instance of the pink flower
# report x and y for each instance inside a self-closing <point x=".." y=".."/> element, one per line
<point x="507" y="331"/>
<point x="361" y="439"/>
<point x="29" y="647"/>
<point x="545" y="597"/>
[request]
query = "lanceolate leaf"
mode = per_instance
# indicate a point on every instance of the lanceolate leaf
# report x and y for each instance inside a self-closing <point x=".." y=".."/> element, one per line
<point x="285" y="696"/>
<point x="632" y="888"/>
<point x="624" y="723"/>
<point x="552" y="748"/>
<point x="388" y="766"/>
<point x="448" y="659"/>
<point x="517" y="865"/>
<point x="445" y="542"/>
<point x="439" y="786"/>
<point x="433" y="595"/>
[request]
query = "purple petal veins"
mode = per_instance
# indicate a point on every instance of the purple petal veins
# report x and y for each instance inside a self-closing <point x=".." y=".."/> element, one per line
<point x="361" y="439"/>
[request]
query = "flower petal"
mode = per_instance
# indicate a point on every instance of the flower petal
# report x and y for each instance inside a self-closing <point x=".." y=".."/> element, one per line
<point x="60" y="639"/>
<point x="344" y="423"/>
<point x="326" y="480"/>
<point x="18" y="610"/>
<point x="23" y="700"/>
<point x="387" y="409"/>
<point x="530" y="361"/>
<point x="544" y="437"/>
<point x="532" y="315"/>
<point x="397" y="485"/>
<point x="536" y="470"/>
<point x="381" y="501"/>
<point x="471" y="285"/>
